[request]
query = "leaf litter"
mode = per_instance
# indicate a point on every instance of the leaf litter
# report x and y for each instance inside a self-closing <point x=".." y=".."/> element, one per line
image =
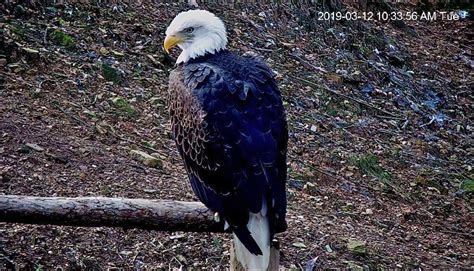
<point x="380" y="153"/>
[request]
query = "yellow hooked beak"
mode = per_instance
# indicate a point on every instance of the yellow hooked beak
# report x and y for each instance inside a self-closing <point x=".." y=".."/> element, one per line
<point x="170" y="42"/>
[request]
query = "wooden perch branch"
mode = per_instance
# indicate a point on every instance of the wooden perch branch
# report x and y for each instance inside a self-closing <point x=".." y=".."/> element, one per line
<point x="158" y="215"/>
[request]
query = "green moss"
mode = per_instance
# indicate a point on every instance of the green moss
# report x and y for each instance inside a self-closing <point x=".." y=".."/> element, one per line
<point x="18" y="30"/>
<point x="39" y="267"/>
<point x="468" y="186"/>
<point x="105" y="190"/>
<point x="369" y="164"/>
<point x="62" y="39"/>
<point x="357" y="247"/>
<point x="366" y="51"/>
<point x="122" y="107"/>
<point x="111" y="74"/>
<point x="61" y="22"/>
<point x="216" y="243"/>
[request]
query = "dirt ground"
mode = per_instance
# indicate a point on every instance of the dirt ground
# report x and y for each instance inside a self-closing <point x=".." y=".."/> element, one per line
<point x="381" y="135"/>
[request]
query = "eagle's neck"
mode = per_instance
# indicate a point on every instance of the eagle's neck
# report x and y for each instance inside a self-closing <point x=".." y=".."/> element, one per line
<point x="209" y="44"/>
<point x="183" y="57"/>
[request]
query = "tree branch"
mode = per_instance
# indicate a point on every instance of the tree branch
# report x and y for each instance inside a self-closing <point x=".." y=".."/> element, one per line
<point x="158" y="215"/>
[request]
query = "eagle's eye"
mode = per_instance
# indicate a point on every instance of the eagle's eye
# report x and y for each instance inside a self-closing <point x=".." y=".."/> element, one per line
<point x="189" y="30"/>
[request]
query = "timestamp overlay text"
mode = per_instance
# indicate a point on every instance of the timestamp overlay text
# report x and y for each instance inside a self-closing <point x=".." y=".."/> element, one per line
<point x="388" y="16"/>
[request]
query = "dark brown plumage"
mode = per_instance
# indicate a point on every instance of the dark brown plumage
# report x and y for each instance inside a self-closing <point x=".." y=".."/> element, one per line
<point x="187" y="121"/>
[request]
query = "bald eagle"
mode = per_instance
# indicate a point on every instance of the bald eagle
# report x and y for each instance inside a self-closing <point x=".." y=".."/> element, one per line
<point x="229" y="124"/>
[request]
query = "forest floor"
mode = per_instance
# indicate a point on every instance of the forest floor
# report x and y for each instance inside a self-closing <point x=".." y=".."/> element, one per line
<point x="381" y="136"/>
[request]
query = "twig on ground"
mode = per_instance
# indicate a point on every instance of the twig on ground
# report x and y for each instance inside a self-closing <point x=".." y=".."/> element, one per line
<point x="264" y="50"/>
<point x="57" y="105"/>
<point x="45" y="37"/>
<point x="308" y="64"/>
<point x="357" y="100"/>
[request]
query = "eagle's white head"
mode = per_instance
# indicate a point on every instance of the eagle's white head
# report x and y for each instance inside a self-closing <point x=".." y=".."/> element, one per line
<point x="196" y="32"/>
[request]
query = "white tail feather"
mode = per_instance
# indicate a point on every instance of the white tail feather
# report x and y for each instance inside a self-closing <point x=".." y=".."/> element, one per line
<point x="259" y="228"/>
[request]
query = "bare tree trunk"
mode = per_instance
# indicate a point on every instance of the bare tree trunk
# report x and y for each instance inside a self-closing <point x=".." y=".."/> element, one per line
<point x="109" y="212"/>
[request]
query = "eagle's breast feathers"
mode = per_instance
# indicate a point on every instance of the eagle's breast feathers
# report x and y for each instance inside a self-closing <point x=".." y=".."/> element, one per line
<point x="229" y="125"/>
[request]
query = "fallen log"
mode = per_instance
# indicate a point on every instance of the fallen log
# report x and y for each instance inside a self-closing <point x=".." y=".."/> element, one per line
<point x="160" y="215"/>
